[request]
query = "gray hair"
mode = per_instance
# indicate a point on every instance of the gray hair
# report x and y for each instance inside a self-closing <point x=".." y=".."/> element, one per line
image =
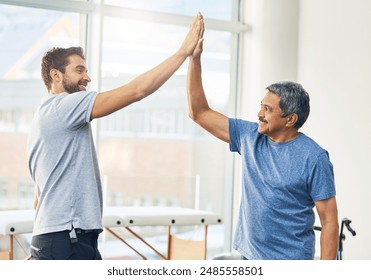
<point x="294" y="100"/>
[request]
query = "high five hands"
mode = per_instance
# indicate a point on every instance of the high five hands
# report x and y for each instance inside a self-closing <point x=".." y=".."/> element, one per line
<point x="192" y="44"/>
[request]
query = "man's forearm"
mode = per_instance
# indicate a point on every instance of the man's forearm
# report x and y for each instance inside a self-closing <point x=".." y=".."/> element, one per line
<point x="139" y="88"/>
<point x="329" y="242"/>
<point x="153" y="79"/>
<point x="196" y="96"/>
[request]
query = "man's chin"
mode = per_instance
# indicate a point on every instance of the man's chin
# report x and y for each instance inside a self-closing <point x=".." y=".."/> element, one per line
<point x="262" y="130"/>
<point x="73" y="90"/>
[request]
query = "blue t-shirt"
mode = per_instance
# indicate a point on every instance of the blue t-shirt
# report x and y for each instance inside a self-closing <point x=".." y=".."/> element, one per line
<point x="63" y="164"/>
<point x="281" y="181"/>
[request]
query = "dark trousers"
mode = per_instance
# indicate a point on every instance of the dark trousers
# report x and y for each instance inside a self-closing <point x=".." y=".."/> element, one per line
<point x="59" y="246"/>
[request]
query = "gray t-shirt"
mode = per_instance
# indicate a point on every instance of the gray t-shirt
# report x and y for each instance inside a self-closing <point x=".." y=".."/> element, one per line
<point x="281" y="182"/>
<point x="63" y="164"/>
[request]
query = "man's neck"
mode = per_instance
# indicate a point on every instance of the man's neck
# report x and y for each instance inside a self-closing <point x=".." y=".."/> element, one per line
<point x="290" y="135"/>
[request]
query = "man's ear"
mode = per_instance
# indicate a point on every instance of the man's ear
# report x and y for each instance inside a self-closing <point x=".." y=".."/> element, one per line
<point x="292" y="119"/>
<point x="56" y="75"/>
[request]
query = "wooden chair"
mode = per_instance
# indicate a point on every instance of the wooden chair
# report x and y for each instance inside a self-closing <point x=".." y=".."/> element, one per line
<point x="182" y="249"/>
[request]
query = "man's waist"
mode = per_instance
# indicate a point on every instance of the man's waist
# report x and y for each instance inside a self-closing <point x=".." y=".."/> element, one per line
<point x="85" y="231"/>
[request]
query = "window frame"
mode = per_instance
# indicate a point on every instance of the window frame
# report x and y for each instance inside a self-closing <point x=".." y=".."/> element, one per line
<point x="93" y="13"/>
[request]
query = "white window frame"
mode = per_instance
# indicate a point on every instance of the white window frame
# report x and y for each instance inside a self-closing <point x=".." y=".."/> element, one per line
<point x="93" y="13"/>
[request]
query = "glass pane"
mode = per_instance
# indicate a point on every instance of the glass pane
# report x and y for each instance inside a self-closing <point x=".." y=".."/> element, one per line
<point x="216" y="9"/>
<point x="25" y="35"/>
<point x="151" y="153"/>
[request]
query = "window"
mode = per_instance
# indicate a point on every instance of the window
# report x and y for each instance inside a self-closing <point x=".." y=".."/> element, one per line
<point x="25" y="35"/>
<point x="215" y="9"/>
<point x="150" y="153"/>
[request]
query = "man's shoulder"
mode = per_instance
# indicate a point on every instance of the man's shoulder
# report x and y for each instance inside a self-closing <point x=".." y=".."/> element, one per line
<point x="308" y="141"/>
<point x="242" y="125"/>
<point x="310" y="147"/>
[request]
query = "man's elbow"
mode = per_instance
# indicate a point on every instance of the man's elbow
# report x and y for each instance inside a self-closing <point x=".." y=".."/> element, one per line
<point x="35" y="202"/>
<point x="194" y="115"/>
<point x="191" y="115"/>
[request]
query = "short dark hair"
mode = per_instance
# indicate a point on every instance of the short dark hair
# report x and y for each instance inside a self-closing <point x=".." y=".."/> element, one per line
<point x="57" y="58"/>
<point x="294" y="100"/>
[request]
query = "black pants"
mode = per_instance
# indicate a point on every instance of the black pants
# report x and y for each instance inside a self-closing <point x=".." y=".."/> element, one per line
<point x="58" y="246"/>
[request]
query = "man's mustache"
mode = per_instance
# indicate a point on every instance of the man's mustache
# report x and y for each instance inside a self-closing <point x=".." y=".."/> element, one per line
<point x="261" y="119"/>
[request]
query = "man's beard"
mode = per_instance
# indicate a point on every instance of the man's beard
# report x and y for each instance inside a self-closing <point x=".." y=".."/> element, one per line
<point x="70" y="87"/>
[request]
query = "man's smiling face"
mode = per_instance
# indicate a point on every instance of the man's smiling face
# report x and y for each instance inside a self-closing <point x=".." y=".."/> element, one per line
<point x="75" y="77"/>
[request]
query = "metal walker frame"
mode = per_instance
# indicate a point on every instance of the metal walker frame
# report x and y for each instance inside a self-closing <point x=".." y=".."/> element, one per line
<point x="345" y="222"/>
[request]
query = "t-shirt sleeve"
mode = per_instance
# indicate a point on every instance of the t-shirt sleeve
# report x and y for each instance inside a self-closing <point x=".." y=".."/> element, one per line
<point x="241" y="132"/>
<point x="234" y="136"/>
<point x="322" y="183"/>
<point x="75" y="109"/>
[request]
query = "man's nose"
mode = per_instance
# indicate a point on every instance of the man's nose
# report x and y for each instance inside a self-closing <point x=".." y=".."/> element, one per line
<point x="87" y="78"/>
<point x="260" y="113"/>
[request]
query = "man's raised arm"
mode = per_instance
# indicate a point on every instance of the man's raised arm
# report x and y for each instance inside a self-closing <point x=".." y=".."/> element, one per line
<point x="199" y="111"/>
<point x="148" y="82"/>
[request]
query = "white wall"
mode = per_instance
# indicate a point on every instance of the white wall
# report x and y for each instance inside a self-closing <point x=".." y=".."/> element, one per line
<point x="335" y="66"/>
<point x="270" y="49"/>
<point x="326" y="46"/>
